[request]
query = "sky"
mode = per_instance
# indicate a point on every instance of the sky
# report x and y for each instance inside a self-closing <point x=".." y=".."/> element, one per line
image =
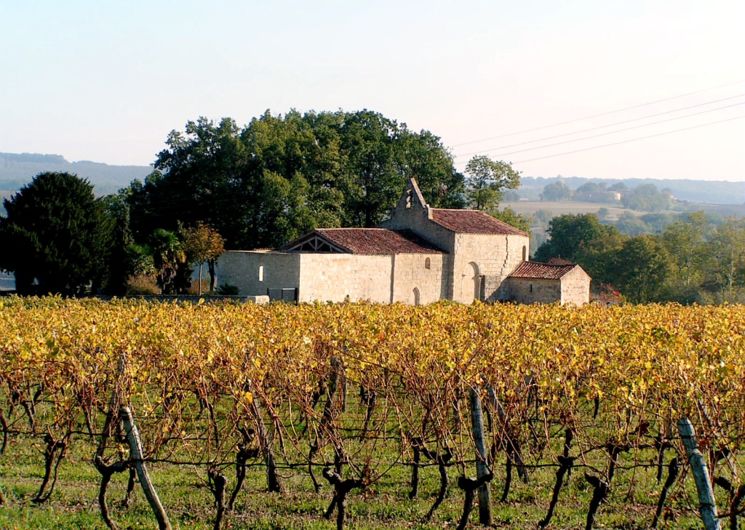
<point x="632" y="89"/>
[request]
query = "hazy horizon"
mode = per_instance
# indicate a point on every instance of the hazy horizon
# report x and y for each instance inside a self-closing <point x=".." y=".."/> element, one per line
<point x="633" y="90"/>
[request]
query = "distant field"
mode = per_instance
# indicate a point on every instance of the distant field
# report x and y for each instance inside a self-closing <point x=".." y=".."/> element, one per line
<point x="568" y="207"/>
<point x="614" y="212"/>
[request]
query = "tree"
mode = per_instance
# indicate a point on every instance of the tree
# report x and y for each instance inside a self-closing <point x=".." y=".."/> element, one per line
<point x="686" y="242"/>
<point x="556" y="191"/>
<point x="55" y="237"/>
<point x="569" y="233"/>
<point x="647" y="198"/>
<point x="486" y="181"/>
<point x="203" y="244"/>
<point x="120" y="259"/>
<point x="200" y="176"/>
<point x="641" y="269"/>
<point x="291" y="178"/>
<point x="593" y="192"/>
<point x="422" y="155"/>
<point x="726" y="269"/>
<point x="584" y="240"/>
<point x="282" y="175"/>
<point x="380" y="155"/>
<point x="512" y="218"/>
<point x="631" y="225"/>
<point x="597" y="256"/>
<point x="170" y="261"/>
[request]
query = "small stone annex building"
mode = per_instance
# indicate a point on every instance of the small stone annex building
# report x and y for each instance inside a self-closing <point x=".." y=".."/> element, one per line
<point x="418" y="256"/>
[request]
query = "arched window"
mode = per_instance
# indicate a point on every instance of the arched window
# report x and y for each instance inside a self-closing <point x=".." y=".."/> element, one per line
<point x="261" y="273"/>
<point x="427" y="264"/>
<point x="525" y="253"/>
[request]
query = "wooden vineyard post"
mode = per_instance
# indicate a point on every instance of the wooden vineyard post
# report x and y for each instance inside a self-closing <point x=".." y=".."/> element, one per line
<point x="265" y="443"/>
<point x="706" y="500"/>
<point x="482" y="466"/>
<point x="135" y="450"/>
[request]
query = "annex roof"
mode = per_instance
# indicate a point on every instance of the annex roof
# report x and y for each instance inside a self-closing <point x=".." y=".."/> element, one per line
<point x="542" y="271"/>
<point x="472" y="222"/>
<point x="366" y="241"/>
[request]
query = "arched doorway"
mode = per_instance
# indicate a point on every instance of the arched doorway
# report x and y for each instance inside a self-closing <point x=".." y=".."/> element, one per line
<point x="471" y="286"/>
<point x="417" y="296"/>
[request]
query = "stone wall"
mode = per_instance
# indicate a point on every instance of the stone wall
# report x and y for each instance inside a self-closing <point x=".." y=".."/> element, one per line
<point x="425" y="273"/>
<point x="534" y="290"/>
<point x="575" y="287"/>
<point x="340" y="277"/>
<point x="490" y="256"/>
<point x="253" y="272"/>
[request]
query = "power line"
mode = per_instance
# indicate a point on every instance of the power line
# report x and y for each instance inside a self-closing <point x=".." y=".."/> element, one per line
<point x="615" y="131"/>
<point x="710" y="102"/>
<point x="574" y="120"/>
<point x="630" y="140"/>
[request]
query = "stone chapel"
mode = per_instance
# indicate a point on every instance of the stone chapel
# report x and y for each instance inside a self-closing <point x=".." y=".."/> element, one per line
<point x="418" y="256"/>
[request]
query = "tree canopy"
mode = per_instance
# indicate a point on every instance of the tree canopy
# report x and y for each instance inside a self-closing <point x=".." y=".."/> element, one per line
<point x="647" y="197"/>
<point x="569" y="234"/>
<point x="282" y="175"/>
<point x="55" y="237"/>
<point x="202" y="244"/>
<point x="487" y="179"/>
<point x="640" y="269"/>
<point x="556" y="191"/>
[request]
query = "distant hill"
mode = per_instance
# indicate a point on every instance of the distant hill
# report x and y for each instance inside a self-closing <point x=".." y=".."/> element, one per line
<point x="695" y="191"/>
<point x="16" y="170"/>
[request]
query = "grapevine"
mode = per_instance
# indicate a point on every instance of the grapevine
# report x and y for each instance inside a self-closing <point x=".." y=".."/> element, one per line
<point x="345" y="393"/>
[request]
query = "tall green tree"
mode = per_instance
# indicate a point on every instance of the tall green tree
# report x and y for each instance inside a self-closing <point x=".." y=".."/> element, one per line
<point x="171" y="263"/>
<point x="291" y="177"/>
<point x="119" y="259"/>
<point x="569" y="233"/>
<point x="283" y="175"/>
<point x="686" y="243"/>
<point x="198" y="177"/>
<point x="486" y="181"/>
<point x="641" y="269"/>
<point x="380" y="155"/>
<point x="584" y="240"/>
<point x="725" y="270"/>
<point x="55" y="237"/>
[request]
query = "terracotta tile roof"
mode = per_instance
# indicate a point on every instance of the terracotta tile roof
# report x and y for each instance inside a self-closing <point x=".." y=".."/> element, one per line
<point x="472" y="222"/>
<point x="541" y="271"/>
<point x="372" y="241"/>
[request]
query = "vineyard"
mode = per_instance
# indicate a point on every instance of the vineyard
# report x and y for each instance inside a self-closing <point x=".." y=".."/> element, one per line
<point x="368" y="416"/>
